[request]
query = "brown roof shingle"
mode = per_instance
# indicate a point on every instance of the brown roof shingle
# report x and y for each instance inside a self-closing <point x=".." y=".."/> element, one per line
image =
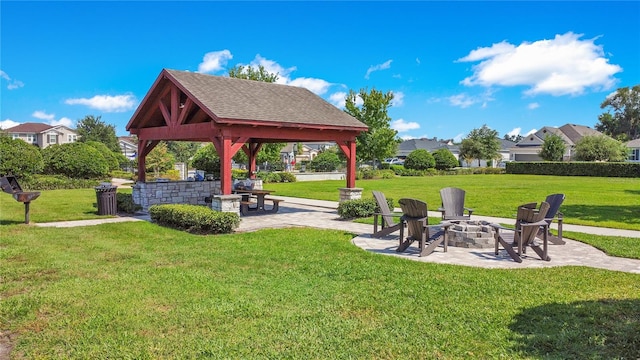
<point x="238" y="99"/>
<point x="29" y="128"/>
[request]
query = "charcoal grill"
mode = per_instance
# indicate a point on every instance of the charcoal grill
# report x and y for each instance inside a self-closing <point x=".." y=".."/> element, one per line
<point x="11" y="186"/>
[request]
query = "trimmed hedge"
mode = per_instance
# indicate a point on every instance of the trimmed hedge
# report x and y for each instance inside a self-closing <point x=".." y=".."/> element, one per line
<point x="56" y="182"/>
<point x="600" y="169"/>
<point x="195" y="219"/>
<point x="360" y="208"/>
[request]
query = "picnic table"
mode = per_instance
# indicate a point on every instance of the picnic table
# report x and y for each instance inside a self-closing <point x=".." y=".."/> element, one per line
<point x="247" y="205"/>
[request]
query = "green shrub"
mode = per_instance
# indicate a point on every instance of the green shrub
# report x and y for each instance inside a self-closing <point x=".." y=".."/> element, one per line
<point x="365" y="173"/>
<point x="444" y="159"/>
<point x="194" y="218"/>
<point x="276" y="177"/>
<point x="360" y="208"/>
<point x="325" y="162"/>
<point x="56" y="182"/>
<point x="287" y="177"/>
<point x="239" y="174"/>
<point x="75" y="160"/>
<point x="419" y="159"/>
<point x="600" y="169"/>
<point x="110" y="157"/>
<point x="19" y="158"/>
<point x="126" y="204"/>
<point x="122" y="175"/>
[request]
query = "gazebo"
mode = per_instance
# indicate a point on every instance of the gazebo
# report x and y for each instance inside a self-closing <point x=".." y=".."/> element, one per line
<point x="237" y="114"/>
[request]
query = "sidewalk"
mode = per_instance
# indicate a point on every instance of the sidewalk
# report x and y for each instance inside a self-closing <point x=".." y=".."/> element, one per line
<point x="296" y="212"/>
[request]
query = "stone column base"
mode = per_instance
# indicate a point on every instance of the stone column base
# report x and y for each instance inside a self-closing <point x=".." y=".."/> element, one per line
<point x="350" y="194"/>
<point x="226" y="203"/>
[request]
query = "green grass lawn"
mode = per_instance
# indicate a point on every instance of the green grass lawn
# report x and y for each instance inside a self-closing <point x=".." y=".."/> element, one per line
<point x="605" y="202"/>
<point x="137" y="290"/>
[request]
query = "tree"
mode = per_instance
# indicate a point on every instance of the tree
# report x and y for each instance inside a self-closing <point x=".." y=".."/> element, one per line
<point x="159" y="159"/>
<point x="514" y="138"/>
<point x="380" y="141"/>
<point x="420" y="159"/>
<point x="250" y="73"/>
<point x="325" y="161"/>
<point x="469" y="150"/>
<point x="600" y="148"/>
<point x="553" y="148"/>
<point x="445" y="160"/>
<point x="93" y="129"/>
<point x="19" y="158"/>
<point x="207" y="159"/>
<point x="624" y="123"/>
<point x="485" y="145"/>
<point x="183" y="151"/>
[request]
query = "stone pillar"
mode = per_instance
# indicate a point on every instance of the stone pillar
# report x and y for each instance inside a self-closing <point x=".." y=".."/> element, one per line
<point x="350" y="194"/>
<point x="226" y="203"/>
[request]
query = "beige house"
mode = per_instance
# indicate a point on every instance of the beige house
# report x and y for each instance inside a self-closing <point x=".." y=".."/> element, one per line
<point x="529" y="147"/>
<point x="43" y="135"/>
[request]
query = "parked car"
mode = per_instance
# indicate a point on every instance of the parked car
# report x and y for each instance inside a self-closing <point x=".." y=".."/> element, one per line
<point x="394" y="161"/>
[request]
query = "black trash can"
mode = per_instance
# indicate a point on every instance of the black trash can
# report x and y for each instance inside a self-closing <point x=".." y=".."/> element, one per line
<point x="107" y="202"/>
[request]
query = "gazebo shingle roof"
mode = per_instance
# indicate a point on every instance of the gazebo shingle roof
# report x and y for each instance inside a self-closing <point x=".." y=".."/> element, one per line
<point x="247" y="100"/>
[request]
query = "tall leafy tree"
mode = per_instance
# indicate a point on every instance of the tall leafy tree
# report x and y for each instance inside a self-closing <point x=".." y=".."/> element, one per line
<point x="251" y="73"/>
<point x="553" y="148"/>
<point x="486" y="145"/>
<point x="514" y="138"/>
<point x="94" y="129"/>
<point x="624" y="123"/>
<point x="380" y="141"/>
<point x="183" y="151"/>
<point x="469" y="150"/>
<point x="159" y="159"/>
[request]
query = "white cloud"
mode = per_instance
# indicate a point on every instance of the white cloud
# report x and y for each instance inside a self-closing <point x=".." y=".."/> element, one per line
<point x="43" y="115"/>
<point x="533" y="106"/>
<point x="462" y="100"/>
<point x="532" y="131"/>
<point x="565" y="65"/>
<point x="106" y="103"/>
<point x="407" y="137"/>
<point x="8" y="123"/>
<point x="338" y="99"/>
<point x="65" y="121"/>
<point x="401" y="126"/>
<point x="383" y="66"/>
<point x="398" y="98"/>
<point x="514" y="132"/>
<point x="317" y="86"/>
<point x="418" y="61"/>
<point x="214" y="61"/>
<point x="12" y="83"/>
<point x="458" y="138"/>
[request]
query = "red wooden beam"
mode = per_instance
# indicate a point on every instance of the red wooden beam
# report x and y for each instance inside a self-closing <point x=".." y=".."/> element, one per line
<point x="349" y="150"/>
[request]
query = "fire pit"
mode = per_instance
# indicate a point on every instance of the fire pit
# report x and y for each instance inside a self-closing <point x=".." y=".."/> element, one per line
<point x="10" y="185"/>
<point x="471" y="234"/>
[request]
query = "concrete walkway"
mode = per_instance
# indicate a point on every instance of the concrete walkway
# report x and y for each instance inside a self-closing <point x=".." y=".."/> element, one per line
<point x="295" y="212"/>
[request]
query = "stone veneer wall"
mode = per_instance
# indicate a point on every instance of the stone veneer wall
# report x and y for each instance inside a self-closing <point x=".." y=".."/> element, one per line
<point x="174" y="192"/>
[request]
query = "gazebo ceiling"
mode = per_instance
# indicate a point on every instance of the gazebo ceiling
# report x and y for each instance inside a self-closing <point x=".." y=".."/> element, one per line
<point x="191" y="106"/>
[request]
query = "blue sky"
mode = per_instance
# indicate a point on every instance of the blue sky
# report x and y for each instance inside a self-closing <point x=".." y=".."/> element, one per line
<point x="452" y="66"/>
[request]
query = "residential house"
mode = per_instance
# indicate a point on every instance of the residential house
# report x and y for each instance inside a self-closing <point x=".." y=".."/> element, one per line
<point x="634" y="150"/>
<point x="529" y="147"/>
<point x="431" y="145"/>
<point x="43" y="135"/>
<point x="128" y="146"/>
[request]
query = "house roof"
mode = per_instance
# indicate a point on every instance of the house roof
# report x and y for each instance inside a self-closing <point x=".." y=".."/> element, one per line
<point x="570" y="134"/>
<point x="29" y="128"/>
<point x="229" y="100"/>
<point x="634" y="143"/>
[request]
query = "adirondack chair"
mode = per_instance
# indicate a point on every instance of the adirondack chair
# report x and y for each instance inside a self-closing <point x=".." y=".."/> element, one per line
<point x="388" y="217"/>
<point x="453" y="204"/>
<point x="416" y="220"/>
<point x="554" y="200"/>
<point x="528" y="221"/>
